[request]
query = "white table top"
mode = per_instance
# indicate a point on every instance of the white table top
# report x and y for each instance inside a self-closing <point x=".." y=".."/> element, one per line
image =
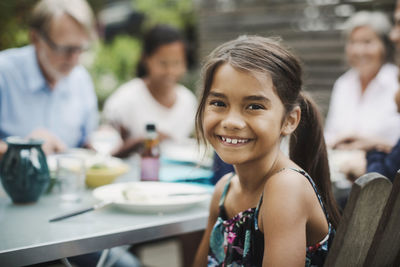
<point x="27" y="236"/>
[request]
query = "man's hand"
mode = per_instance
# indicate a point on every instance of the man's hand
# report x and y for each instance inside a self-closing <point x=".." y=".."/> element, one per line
<point x="51" y="143"/>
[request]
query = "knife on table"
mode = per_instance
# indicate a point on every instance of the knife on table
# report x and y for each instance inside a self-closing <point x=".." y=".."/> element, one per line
<point x="81" y="211"/>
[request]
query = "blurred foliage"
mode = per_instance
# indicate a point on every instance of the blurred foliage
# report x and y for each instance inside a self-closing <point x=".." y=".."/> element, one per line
<point x="13" y="22"/>
<point x="14" y="15"/>
<point x="109" y="64"/>
<point x="113" y="64"/>
<point x="178" y="13"/>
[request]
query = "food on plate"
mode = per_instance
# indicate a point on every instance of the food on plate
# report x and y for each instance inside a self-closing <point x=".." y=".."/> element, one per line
<point x="98" y="166"/>
<point x="137" y="194"/>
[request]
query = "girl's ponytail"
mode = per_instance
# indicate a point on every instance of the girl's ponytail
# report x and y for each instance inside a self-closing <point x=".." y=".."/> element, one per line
<point x="307" y="148"/>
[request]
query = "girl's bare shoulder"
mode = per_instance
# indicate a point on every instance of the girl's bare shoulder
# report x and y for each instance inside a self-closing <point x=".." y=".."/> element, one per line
<point x="288" y="184"/>
<point x="286" y="199"/>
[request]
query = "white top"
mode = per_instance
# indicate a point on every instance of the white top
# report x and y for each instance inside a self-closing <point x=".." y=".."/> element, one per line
<point x="372" y="114"/>
<point x="133" y="106"/>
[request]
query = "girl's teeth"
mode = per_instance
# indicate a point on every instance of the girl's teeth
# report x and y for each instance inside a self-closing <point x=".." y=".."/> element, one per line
<point x="233" y="141"/>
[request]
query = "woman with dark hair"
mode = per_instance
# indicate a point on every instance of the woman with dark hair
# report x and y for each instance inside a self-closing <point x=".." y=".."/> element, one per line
<point x="155" y="95"/>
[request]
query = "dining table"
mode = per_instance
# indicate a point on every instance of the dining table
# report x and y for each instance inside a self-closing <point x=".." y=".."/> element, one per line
<point x="27" y="237"/>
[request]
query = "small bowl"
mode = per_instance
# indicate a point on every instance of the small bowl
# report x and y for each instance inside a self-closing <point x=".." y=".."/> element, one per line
<point x="99" y="171"/>
<point x="105" y="174"/>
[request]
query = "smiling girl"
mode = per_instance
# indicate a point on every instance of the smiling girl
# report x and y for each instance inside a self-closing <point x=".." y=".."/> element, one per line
<point x="270" y="212"/>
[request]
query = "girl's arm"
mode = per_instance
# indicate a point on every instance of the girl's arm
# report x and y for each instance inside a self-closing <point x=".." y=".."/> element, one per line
<point x="202" y="252"/>
<point x="283" y="218"/>
<point x="128" y="147"/>
<point x="131" y="145"/>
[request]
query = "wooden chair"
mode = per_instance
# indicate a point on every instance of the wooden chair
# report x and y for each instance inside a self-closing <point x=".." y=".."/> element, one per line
<point x="360" y="220"/>
<point x="385" y="248"/>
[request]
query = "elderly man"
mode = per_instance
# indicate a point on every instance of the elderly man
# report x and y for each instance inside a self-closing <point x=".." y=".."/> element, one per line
<point x="44" y="92"/>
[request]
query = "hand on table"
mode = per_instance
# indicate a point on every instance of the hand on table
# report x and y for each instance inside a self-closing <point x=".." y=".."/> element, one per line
<point x="356" y="142"/>
<point x="355" y="167"/>
<point x="51" y="143"/>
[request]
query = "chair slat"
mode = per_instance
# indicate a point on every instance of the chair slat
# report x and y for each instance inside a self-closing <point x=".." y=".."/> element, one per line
<point x="386" y="243"/>
<point x="360" y="220"/>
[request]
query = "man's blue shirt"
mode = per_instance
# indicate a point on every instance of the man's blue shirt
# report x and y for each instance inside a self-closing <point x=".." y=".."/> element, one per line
<point x="69" y="111"/>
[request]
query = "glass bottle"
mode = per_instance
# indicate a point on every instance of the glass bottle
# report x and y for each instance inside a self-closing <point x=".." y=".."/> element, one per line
<point x="150" y="157"/>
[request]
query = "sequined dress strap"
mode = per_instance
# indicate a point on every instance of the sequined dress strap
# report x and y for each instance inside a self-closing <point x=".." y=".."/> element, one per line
<point x="226" y="188"/>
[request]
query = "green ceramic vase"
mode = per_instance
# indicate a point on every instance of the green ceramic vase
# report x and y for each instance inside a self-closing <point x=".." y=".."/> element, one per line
<point x="23" y="170"/>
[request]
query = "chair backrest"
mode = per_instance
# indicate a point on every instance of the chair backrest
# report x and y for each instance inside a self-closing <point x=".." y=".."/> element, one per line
<point x="385" y="248"/>
<point x="359" y="222"/>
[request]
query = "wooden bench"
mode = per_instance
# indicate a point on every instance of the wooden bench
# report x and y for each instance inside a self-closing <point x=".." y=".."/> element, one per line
<point x="369" y="231"/>
<point x="385" y="248"/>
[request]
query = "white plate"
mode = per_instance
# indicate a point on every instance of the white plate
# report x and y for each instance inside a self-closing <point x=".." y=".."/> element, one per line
<point x="150" y="197"/>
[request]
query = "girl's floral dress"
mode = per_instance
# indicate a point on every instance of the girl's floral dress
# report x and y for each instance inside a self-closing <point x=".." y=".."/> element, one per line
<point x="239" y="242"/>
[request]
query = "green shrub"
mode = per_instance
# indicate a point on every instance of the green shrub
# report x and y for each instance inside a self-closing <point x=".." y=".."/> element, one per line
<point x="113" y="64"/>
<point x="178" y="13"/>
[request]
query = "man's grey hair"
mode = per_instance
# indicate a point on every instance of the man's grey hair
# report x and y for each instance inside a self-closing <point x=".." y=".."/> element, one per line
<point x="79" y="10"/>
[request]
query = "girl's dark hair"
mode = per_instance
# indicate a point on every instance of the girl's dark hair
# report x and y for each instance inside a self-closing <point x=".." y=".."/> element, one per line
<point x="260" y="55"/>
<point x="157" y="36"/>
<point x="307" y="148"/>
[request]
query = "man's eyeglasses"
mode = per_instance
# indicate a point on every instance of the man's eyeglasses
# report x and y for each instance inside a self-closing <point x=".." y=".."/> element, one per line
<point x="63" y="50"/>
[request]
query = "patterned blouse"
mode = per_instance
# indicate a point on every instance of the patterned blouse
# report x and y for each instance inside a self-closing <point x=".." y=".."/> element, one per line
<point x="239" y="242"/>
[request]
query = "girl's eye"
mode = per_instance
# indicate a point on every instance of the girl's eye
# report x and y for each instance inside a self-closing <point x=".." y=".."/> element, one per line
<point x="256" y="106"/>
<point x="217" y="103"/>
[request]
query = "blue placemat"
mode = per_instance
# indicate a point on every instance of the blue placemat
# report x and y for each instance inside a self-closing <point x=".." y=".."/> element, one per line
<point x="185" y="173"/>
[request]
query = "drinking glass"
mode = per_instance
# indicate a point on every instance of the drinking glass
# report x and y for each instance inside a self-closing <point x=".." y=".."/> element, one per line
<point x="71" y="173"/>
<point x="104" y="140"/>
